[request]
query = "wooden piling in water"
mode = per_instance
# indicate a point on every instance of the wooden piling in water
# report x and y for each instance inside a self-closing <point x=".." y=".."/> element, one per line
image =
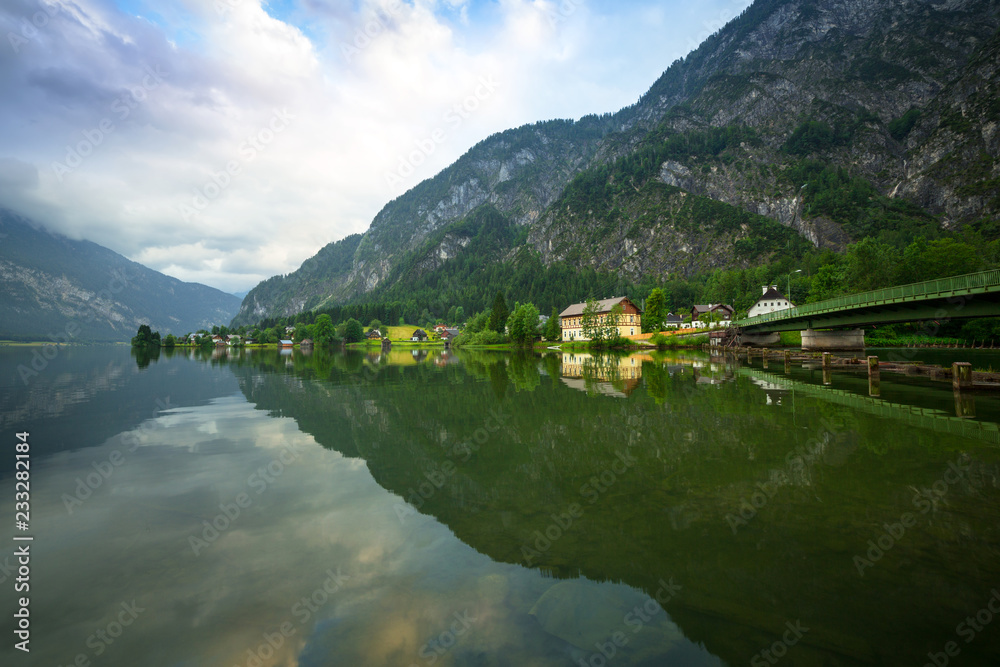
<point x="788" y="361"/>
<point x="961" y="375"/>
<point x="826" y="360"/>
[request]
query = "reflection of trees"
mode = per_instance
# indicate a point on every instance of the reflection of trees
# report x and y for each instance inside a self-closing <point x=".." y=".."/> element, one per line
<point x="523" y="371"/>
<point x="700" y="451"/>
<point x="145" y="355"/>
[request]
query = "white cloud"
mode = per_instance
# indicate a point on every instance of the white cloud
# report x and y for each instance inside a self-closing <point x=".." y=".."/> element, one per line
<point x="356" y="112"/>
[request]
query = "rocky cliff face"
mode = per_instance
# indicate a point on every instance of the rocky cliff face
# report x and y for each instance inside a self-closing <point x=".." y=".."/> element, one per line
<point x="901" y="95"/>
<point x="951" y="166"/>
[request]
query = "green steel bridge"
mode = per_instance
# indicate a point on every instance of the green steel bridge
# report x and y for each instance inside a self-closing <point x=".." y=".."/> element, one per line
<point x="960" y="297"/>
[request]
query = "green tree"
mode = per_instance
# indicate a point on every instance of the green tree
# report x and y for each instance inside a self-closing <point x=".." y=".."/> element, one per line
<point x="553" y="330"/>
<point x="871" y="264"/>
<point x="143" y="337"/>
<point x="478" y="322"/>
<point x="523" y="323"/>
<point x="459" y="315"/>
<point x="323" y="333"/>
<point x="939" y="258"/>
<point x="828" y="281"/>
<point x="353" y="331"/>
<point x="499" y="314"/>
<point x="597" y="327"/>
<point x="656" y="311"/>
<point x="375" y="325"/>
<point x="170" y="341"/>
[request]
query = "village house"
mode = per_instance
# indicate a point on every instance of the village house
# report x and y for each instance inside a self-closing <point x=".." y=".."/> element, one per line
<point x="713" y="311"/>
<point x="771" y="301"/>
<point x="672" y="321"/>
<point x="628" y="322"/>
<point x="374" y="334"/>
<point x="306" y="343"/>
<point x="419" y="336"/>
<point x="448" y="334"/>
<point x="285" y="343"/>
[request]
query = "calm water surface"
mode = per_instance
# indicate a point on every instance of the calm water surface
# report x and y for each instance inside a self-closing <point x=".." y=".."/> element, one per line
<point x="491" y="509"/>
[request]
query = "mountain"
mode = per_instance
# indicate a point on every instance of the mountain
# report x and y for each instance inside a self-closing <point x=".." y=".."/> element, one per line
<point x="815" y="122"/>
<point x="54" y="286"/>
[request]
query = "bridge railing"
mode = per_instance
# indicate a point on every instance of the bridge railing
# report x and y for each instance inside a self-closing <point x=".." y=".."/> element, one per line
<point x="911" y="292"/>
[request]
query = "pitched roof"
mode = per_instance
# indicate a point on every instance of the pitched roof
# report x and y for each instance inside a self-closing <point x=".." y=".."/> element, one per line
<point x="705" y="307"/>
<point x="770" y="294"/>
<point x="674" y="318"/>
<point x="603" y="306"/>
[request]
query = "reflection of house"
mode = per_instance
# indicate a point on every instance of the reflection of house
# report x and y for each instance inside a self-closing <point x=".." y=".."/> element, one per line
<point x="771" y="301"/>
<point x="712" y="312"/>
<point x="628" y="322"/>
<point x="609" y="375"/>
<point x="418" y="336"/>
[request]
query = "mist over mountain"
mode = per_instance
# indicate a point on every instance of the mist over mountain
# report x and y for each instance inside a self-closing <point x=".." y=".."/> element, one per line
<point x="80" y="291"/>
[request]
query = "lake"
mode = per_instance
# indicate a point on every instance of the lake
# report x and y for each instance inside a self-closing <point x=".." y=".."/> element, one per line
<point x="421" y="508"/>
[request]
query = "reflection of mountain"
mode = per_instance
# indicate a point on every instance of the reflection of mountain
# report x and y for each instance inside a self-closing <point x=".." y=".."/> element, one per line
<point x="700" y="452"/>
<point x="86" y="395"/>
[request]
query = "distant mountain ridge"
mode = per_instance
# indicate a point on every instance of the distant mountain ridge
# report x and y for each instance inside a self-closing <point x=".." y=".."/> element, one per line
<point x="53" y="285"/>
<point x="834" y="119"/>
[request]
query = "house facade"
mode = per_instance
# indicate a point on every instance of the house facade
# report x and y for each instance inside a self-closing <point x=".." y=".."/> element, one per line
<point x="772" y="300"/>
<point x="628" y="324"/>
<point x="711" y="311"/>
<point x="418" y="336"/>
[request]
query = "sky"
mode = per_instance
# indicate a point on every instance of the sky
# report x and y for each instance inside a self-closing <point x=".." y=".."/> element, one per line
<point x="226" y="141"/>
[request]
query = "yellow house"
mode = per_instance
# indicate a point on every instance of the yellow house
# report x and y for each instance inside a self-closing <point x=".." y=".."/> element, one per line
<point x="628" y="323"/>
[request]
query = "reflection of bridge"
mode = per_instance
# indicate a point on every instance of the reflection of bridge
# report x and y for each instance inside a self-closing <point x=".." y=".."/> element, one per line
<point x="971" y="295"/>
<point x="926" y="418"/>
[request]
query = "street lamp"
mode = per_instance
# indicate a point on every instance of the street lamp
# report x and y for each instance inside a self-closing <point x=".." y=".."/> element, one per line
<point x="788" y="292"/>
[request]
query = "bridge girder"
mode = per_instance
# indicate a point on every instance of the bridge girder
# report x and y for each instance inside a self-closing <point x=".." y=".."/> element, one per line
<point x="964" y="306"/>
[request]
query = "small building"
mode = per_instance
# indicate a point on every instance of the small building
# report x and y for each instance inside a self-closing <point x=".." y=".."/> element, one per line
<point x="306" y="342"/>
<point x="720" y="312"/>
<point x="772" y="300"/>
<point x="374" y="334"/>
<point x="448" y="334"/>
<point x="672" y="321"/>
<point x="419" y="336"/>
<point x="284" y="342"/>
<point x="439" y="328"/>
<point x="289" y="330"/>
<point x="628" y="324"/>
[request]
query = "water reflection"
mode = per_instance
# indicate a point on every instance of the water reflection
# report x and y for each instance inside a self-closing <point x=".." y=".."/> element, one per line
<point x="474" y="508"/>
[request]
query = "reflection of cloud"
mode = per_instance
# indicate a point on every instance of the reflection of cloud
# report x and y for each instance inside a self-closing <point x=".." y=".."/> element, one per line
<point x="130" y="540"/>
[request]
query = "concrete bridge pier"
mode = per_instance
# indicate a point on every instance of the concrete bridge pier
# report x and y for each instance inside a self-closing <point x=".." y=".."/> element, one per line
<point x="851" y="339"/>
